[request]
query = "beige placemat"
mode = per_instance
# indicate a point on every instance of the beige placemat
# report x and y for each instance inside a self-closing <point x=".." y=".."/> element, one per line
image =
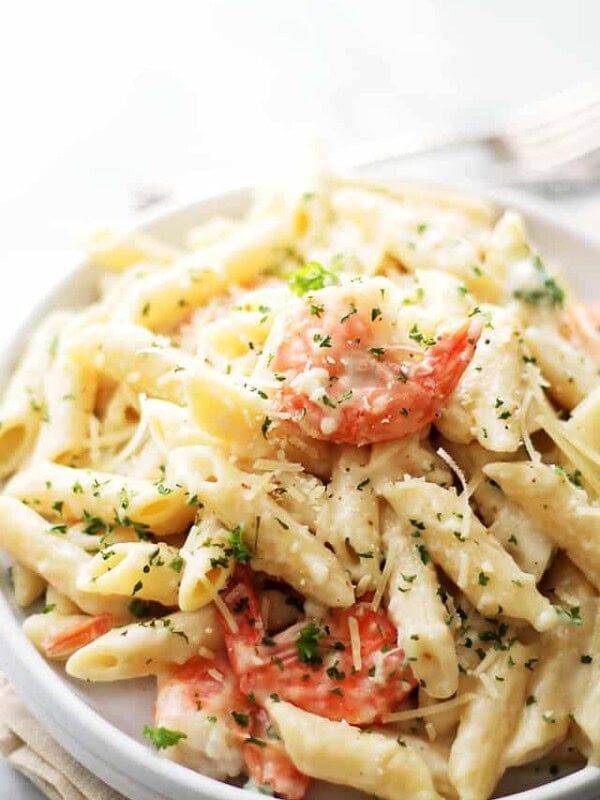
<point x="28" y="748"/>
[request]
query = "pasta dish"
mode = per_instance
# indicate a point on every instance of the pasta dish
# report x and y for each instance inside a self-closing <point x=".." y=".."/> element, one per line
<point x="331" y="474"/>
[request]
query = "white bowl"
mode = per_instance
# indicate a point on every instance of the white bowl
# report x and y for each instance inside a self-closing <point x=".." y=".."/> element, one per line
<point x="100" y="724"/>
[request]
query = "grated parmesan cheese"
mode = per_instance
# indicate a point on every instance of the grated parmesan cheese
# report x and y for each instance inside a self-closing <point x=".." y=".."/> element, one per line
<point x="430" y="731"/>
<point x="576" y="451"/>
<point x="489" y="685"/>
<point x="525" y="437"/>
<point x="136" y="440"/>
<point x="218" y="601"/>
<point x="355" y="643"/>
<point x="465" y="523"/>
<point x="463" y="569"/>
<point x="428" y="711"/>
<point x="384" y="578"/>
<point x="93" y="438"/>
<point x="487" y="663"/>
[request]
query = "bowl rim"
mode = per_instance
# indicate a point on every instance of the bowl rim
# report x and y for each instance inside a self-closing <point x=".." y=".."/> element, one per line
<point x="124" y="763"/>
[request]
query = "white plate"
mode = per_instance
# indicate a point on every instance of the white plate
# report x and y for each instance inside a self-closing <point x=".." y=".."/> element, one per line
<point x="100" y="724"/>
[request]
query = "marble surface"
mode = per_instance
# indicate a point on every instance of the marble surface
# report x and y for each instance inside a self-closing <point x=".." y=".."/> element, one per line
<point x="104" y="104"/>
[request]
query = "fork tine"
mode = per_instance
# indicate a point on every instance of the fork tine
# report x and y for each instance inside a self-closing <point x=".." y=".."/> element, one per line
<point x="554" y="108"/>
<point x="565" y="146"/>
<point x="568" y="129"/>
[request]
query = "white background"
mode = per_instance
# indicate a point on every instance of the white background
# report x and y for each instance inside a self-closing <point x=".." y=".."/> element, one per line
<point x="100" y="100"/>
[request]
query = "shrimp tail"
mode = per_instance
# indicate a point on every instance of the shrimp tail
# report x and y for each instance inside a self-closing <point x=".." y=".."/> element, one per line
<point x="63" y="644"/>
<point x="269" y="764"/>
<point x="443" y="366"/>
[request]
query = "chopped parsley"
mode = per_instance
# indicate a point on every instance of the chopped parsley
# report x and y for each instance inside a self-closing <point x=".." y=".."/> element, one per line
<point x="550" y="293"/>
<point x="352" y="311"/>
<point x="58" y="529"/>
<point x="254" y="740"/>
<point x="162" y="738"/>
<point x="176" y="564"/>
<point x="424" y="553"/>
<point x="310" y="278"/>
<point x="572" y="617"/>
<point x="236" y="547"/>
<point x="307" y="644"/>
<point x="265" y="426"/>
<point x="416" y="335"/>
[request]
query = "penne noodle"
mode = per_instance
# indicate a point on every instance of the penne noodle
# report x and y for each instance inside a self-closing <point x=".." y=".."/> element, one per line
<point x="145" y="647"/>
<point x="102" y="499"/>
<point x="477" y="563"/>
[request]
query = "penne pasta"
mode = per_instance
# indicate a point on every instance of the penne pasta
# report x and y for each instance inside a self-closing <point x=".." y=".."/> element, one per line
<point x="279" y="545"/>
<point x="29" y="539"/>
<point x="475" y="763"/>
<point x="145" y="647"/>
<point x="337" y="752"/>
<point x="102" y="499"/>
<point x="417" y="610"/>
<point x="560" y="506"/>
<point x="475" y="561"/>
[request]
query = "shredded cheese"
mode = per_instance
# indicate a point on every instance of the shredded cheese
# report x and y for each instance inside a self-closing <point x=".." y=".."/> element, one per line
<point x="355" y="643"/>
<point x="138" y="437"/>
<point x="296" y="494"/>
<point x="525" y="437"/>
<point x="363" y="585"/>
<point x="218" y="676"/>
<point x="227" y="615"/>
<point x="490" y="659"/>
<point x="272" y="465"/>
<point x="428" y="711"/>
<point x="431" y="731"/>
<point x="112" y="439"/>
<point x="465" y="523"/>
<point x="384" y="578"/>
<point x="576" y="451"/>
<point x="93" y="438"/>
<point x="489" y="685"/>
<point x="463" y="569"/>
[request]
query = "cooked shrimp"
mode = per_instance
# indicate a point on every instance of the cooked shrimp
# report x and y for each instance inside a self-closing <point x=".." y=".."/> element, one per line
<point x="202" y="700"/>
<point x="223" y="729"/>
<point x="348" y="375"/>
<point x="268" y="763"/>
<point x="320" y="667"/>
<point x="66" y="641"/>
<point x="583" y="327"/>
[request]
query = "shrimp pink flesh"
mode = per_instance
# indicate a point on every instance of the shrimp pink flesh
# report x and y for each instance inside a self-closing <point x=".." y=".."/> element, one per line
<point x="268" y="763"/>
<point x="583" y="327"/>
<point x="372" y="394"/>
<point x="327" y="680"/>
<point x="63" y="644"/>
<point x="210" y="686"/>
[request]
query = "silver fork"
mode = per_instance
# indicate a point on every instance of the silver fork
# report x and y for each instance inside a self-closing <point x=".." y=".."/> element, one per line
<point x="535" y="142"/>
